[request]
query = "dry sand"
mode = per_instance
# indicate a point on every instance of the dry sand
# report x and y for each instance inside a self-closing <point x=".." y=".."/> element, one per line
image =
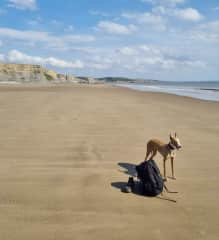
<point x="62" y="150"/>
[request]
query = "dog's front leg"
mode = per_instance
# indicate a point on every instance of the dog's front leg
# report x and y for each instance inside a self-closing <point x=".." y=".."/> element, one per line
<point x="164" y="168"/>
<point x="172" y="168"/>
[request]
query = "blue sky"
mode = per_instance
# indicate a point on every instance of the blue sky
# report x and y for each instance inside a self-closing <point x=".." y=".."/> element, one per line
<point x="175" y="40"/>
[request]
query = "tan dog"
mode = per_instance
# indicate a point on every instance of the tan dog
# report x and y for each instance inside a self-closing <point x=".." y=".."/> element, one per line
<point x="166" y="150"/>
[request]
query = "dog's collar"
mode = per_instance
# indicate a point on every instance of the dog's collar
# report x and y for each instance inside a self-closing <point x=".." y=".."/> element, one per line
<point x="171" y="146"/>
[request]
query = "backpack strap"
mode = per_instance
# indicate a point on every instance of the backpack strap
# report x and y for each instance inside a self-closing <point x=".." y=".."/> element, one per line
<point x="165" y="198"/>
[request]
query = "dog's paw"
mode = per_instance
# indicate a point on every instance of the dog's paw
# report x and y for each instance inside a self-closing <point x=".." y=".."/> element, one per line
<point x="173" y="178"/>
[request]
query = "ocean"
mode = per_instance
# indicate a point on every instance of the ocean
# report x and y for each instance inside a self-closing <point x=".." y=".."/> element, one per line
<point x="201" y="90"/>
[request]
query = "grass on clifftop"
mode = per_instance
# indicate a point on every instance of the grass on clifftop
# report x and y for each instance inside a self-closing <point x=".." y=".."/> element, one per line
<point x="48" y="77"/>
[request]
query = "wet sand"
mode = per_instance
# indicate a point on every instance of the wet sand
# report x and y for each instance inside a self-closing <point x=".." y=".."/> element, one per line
<point x="64" y="153"/>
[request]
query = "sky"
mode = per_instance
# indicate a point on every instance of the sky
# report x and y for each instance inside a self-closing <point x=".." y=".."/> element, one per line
<point x="171" y="40"/>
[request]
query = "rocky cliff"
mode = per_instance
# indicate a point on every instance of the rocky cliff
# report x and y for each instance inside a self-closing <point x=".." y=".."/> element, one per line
<point x="21" y="73"/>
<point x="28" y="73"/>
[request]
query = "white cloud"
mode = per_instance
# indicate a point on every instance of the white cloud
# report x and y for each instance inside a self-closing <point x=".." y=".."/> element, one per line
<point x="160" y="10"/>
<point x="23" y="4"/>
<point x="142" y="58"/>
<point x="148" y="1"/>
<point x="216" y="8"/>
<point x="208" y="32"/>
<point x="127" y="51"/>
<point x="212" y="26"/>
<point x="35" y="21"/>
<point x="69" y="28"/>
<point x="2" y="57"/>
<point x="172" y="2"/>
<point x="99" y="66"/>
<point x="24" y="35"/>
<point x="2" y="12"/>
<point x="17" y="56"/>
<point x="51" y="41"/>
<point x="77" y="38"/>
<point x="156" y="21"/>
<point x="99" y="13"/>
<point x="115" y="28"/>
<point x="188" y="14"/>
<point x="165" y="2"/>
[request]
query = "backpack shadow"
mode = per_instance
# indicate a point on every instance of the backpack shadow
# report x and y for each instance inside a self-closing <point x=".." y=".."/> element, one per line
<point x="137" y="190"/>
<point x="128" y="168"/>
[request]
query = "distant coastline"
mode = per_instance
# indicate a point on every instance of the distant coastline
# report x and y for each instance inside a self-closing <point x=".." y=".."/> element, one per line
<point x="36" y="74"/>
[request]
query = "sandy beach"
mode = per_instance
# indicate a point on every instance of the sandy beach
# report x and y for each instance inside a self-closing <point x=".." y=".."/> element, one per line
<point x="63" y="153"/>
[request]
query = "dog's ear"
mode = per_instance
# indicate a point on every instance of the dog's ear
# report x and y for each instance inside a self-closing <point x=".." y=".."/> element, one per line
<point x="175" y="134"/>
<point x="171" y="135"/>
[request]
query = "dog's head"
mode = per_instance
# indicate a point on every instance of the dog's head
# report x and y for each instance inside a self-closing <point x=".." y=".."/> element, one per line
<point x="174" y="140"/>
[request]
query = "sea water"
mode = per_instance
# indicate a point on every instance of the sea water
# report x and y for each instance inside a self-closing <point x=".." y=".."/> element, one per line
<point x="201" y="90"/>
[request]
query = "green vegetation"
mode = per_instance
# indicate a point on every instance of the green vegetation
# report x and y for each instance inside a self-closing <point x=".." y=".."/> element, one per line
<point x="48" y="77"/>
<point x="115" y="79"/>
<point x="83" y="78"/>
<point x="126" y="80"/>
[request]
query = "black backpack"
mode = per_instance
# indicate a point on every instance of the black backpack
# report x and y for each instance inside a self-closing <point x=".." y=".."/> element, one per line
<point x="150" y="178"/>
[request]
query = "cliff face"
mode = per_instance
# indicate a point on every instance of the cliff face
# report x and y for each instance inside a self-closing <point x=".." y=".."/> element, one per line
<point x="22" y="73"/>
<point x="28" y="73"/>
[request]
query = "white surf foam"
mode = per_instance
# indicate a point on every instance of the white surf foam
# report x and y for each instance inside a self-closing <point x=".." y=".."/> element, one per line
<point x="194" y="92"/>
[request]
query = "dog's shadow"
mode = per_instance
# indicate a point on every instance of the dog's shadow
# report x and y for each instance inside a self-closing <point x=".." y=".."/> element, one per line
<point x="130" y="170"/>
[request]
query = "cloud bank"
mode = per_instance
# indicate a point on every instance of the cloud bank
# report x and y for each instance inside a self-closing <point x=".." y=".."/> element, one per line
<point x="23" y="4"/>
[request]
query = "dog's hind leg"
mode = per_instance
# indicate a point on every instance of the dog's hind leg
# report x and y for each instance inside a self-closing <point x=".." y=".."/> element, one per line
<point x="153" y="154"/>
<point x="147" y="154"/>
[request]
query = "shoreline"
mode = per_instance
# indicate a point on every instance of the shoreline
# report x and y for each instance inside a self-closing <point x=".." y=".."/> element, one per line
<point x="145" y="88"/>
<point x="100" y="85"/>
<point x="207" y="94"/>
